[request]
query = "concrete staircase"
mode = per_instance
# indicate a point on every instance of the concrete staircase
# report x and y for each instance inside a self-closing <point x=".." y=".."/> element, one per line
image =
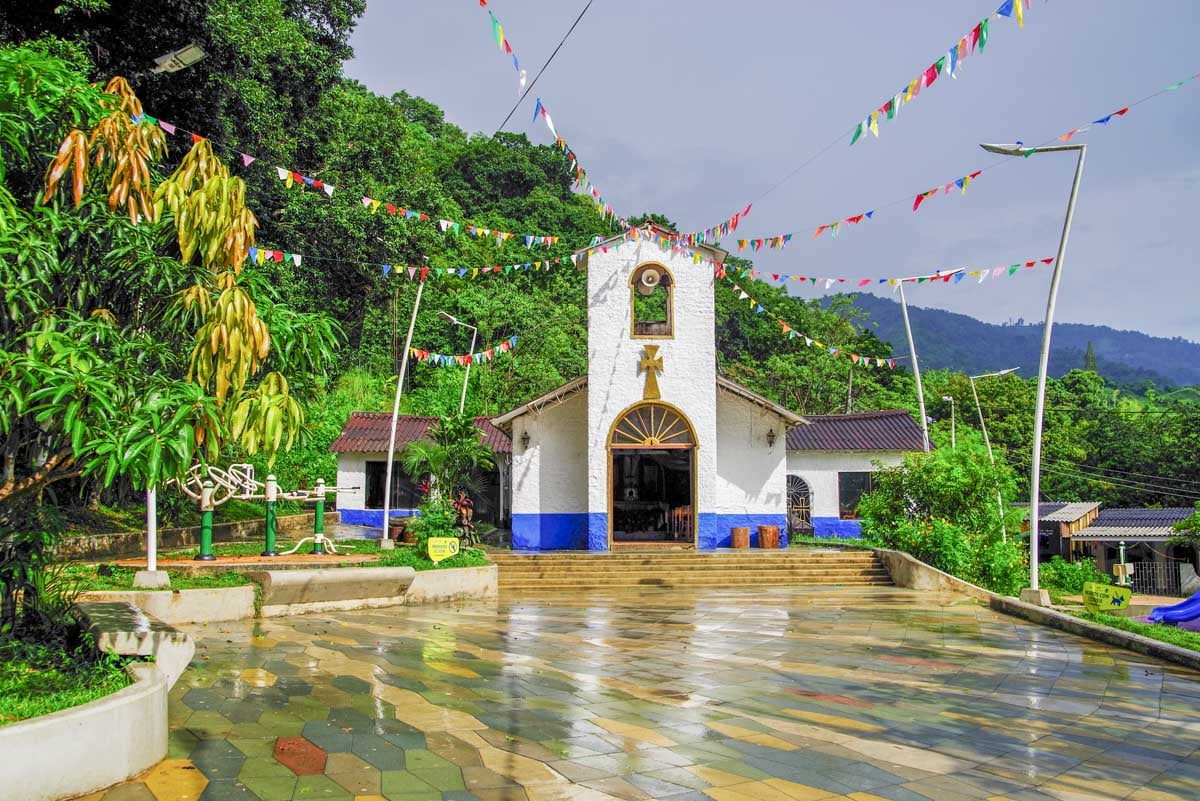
<point x="627" y="569"/>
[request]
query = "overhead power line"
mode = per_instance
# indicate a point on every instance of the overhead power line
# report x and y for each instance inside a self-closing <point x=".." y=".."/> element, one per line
<point x="529" y="88"/>
<point x="1169" y="492"/>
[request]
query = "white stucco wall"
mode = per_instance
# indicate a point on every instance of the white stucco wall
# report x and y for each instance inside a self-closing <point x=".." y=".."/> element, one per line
<point x="820" y="469"/>
<point x="550" y="476"/>
<point x="688" y="378"/>
<point x="751" y="477"/>
<point x="352" y="472"/>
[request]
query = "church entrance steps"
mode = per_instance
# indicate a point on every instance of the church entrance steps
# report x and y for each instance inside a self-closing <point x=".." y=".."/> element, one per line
<point x="581" y="570"/>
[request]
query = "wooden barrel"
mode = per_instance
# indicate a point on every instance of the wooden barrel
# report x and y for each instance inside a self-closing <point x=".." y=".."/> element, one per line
<point x="768" y="536"/>
<point x="740" y="537"/>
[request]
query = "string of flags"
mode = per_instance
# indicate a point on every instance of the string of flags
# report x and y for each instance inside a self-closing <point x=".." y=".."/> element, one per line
<point x="713" y="234"/>
<point x="777" y="241"/>
<point x="1121" y="112"/>
<point x="502" y="43"/>
<point x="947" y="64"/>
<point x="462" y="360"/>
<point x="292" y="178"/>
<point x="791" y="333"/>
<point x="941" y="276"/>
<point x="582" y="181"/>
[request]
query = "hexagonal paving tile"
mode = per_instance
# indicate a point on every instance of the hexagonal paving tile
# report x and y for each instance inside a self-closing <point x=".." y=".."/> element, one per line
<point x="300" y="755"/>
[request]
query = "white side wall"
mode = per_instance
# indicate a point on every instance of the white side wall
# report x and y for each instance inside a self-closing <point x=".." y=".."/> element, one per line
<point x="550" y="476"/>
<point x="751" y="477"/>
<point x="352" y="472"/>
<point x="688" y="378"/>
<point x="820" y="469"/>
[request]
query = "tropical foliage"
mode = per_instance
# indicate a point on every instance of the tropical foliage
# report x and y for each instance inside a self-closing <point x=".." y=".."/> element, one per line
<point x="942" y="508"/>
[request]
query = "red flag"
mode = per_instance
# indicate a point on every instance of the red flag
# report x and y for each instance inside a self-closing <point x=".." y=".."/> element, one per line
<point x="819" y="231"/>
<point x="931" y="75"/>
<point x="424" y="272"/>
<point x="1120" y="113"/>
<point x="1047" y="261"/>
<point x="746" y="210"/>
<point x="197" y="138"/>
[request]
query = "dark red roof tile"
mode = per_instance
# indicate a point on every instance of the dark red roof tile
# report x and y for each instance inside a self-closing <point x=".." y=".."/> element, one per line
<point x="368" y="432"/>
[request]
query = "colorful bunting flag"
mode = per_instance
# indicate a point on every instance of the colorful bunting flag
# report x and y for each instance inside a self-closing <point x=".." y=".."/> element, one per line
<point x="463" y="359"/>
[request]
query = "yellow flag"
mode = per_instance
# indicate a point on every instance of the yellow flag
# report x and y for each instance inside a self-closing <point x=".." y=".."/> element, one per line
<point x="874" y="126"/>
<point x="912" y="87"/>
<point x="1020" y="7"/>
<point x="374" y="206"/>
<point x="474" y="272"/>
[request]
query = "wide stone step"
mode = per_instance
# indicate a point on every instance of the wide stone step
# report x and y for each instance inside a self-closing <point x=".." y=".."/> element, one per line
<point x="794" y="571"/>
<point x="614" y="563"/>
<point x="691" y="584"/>
<point x="746" y="577"/>
<point x="593" y="568"/>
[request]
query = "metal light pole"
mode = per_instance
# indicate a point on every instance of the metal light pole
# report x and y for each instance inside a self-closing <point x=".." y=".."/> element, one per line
<point x="384" y="542"/>
<point x="912" y="349"/>
<point x="953" y="435"/>
<point x="450" y="318"/>
<point x="988" y="442"/>
<point x="1039" y="411"/>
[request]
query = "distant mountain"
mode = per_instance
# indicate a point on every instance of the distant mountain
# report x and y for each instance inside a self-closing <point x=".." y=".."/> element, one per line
<point x="955" y="341"/>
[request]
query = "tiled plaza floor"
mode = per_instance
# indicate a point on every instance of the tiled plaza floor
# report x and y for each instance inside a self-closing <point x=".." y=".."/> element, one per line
<point x="819" y="693"/>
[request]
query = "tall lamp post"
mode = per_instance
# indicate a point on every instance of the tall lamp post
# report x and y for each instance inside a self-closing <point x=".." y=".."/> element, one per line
<point x="953" y="435"/>
<point x="987" y="442"/>
<point x="1033" y="594"/>
<point x="450" y="318"/>
<point x="384" y="541"/>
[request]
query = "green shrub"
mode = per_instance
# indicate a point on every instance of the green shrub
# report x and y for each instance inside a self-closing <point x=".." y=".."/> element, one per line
<point x="1068" y="578"/>
<point x="436" y="519"/>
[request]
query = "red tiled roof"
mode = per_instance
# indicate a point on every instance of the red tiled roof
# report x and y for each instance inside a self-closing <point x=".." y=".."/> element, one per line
<point x="368" y="432"/>
<point x="891" y="430"/>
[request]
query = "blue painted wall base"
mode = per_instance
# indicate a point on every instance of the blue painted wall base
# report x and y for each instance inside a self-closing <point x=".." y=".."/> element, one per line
<point x="836" y="528"/>
<point x="597" y="531"/>
<point x="550" y="532"/>
<point x="714" y="528"/>
<point x="372" y="517"/>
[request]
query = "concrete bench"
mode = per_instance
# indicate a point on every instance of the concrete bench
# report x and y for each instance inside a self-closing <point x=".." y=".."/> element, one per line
<point x="126" y="630"/>
<point x="289" y="592"/>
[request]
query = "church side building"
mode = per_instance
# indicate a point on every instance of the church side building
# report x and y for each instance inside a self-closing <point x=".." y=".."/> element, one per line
<point x="651" y="445"/>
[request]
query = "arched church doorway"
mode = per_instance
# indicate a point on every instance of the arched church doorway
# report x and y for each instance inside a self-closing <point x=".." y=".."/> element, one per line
<point x="799" y="507"/>
<point x="652" y="475"/>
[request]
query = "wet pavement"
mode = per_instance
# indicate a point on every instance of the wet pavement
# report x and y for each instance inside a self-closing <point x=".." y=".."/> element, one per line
<point x="795" y="695"/>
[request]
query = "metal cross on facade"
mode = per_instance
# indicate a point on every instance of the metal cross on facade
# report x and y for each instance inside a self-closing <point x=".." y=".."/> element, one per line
<point x="651" y="362"/>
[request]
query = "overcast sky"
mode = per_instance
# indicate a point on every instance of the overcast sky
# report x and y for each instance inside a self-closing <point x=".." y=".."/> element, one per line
<point x="695" y="109"/>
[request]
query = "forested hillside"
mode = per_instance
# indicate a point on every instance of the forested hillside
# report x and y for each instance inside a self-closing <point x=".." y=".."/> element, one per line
<point x="134" y="296"/>
<point x="958" y="342"/>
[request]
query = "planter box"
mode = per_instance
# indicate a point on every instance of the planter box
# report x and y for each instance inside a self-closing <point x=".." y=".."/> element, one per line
<point x="294" y="592"/>
<point x="185" y="606"/>
<point x="89" y="747"/>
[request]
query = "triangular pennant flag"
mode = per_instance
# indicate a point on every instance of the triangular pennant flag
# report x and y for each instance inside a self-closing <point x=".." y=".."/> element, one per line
<point x="296" y="258"/>
<point x="982" y="27"/>
<point x="387" y="268"/>
<point x="166" y="126"/>
<point x="1005" y="9"/>
<point x="247" y="159"/>
<point x="412" y="271"/>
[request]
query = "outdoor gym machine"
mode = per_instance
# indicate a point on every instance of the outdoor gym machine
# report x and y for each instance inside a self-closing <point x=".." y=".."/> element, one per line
<point x="212" y="486"/>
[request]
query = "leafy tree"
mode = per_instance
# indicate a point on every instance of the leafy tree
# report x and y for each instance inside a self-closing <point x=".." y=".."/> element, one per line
<point x="452" y="453"/>
<point x="942" y="508"/>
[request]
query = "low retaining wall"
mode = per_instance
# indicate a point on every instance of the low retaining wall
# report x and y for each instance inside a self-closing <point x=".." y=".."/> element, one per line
<point x="185" y="606"/>
<point x="133" y="543"/>
<point x="89" y="747"/>
<point x="296" y="592"/>
<point x="126" y="630"/>
<point x="911" y="573"/>
<point x="452" y="584"/>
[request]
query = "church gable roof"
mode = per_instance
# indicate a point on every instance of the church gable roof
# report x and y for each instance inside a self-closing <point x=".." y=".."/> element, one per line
<point x="368" y="432"/>
<point x="554" y="396"/>
<point x="889" y="430"/>
<point x="652" y="230"/>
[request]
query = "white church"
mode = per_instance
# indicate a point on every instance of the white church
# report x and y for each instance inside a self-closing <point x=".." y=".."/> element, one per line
<point x="652" y="445"/>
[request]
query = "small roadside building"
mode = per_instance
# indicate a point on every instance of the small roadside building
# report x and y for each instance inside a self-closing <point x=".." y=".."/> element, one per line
<point x="1159" y="567"/>
<point x="1058" y="521"/>
<point x="830" y="463"/>
<point x="362" y="464"/>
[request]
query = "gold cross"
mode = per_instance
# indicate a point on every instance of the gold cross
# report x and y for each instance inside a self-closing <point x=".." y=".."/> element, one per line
<point x="651" y="362"/>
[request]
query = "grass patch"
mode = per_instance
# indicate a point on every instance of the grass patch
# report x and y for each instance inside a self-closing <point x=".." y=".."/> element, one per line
<point x="94" y="578"/>
<point x="1155" y="631"/>
<point x="255" y="547"/>
<point x="826" y="542"/>
<point x="37" y="680"/>
<point x="407" y="556"/>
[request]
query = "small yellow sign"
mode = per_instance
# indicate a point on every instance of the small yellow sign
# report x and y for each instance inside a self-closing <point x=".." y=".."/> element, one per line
<point x="1105" y="597"/>
<point x="442" y="548"/>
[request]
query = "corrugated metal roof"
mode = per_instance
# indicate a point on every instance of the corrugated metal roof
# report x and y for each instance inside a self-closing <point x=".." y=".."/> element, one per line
<point x="890" y="430"/>
<point x="368" y="432"/>
<point x="1127" y="533"/>
<point x="1062" y="512"/>
<point x="1135" y="524"/>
